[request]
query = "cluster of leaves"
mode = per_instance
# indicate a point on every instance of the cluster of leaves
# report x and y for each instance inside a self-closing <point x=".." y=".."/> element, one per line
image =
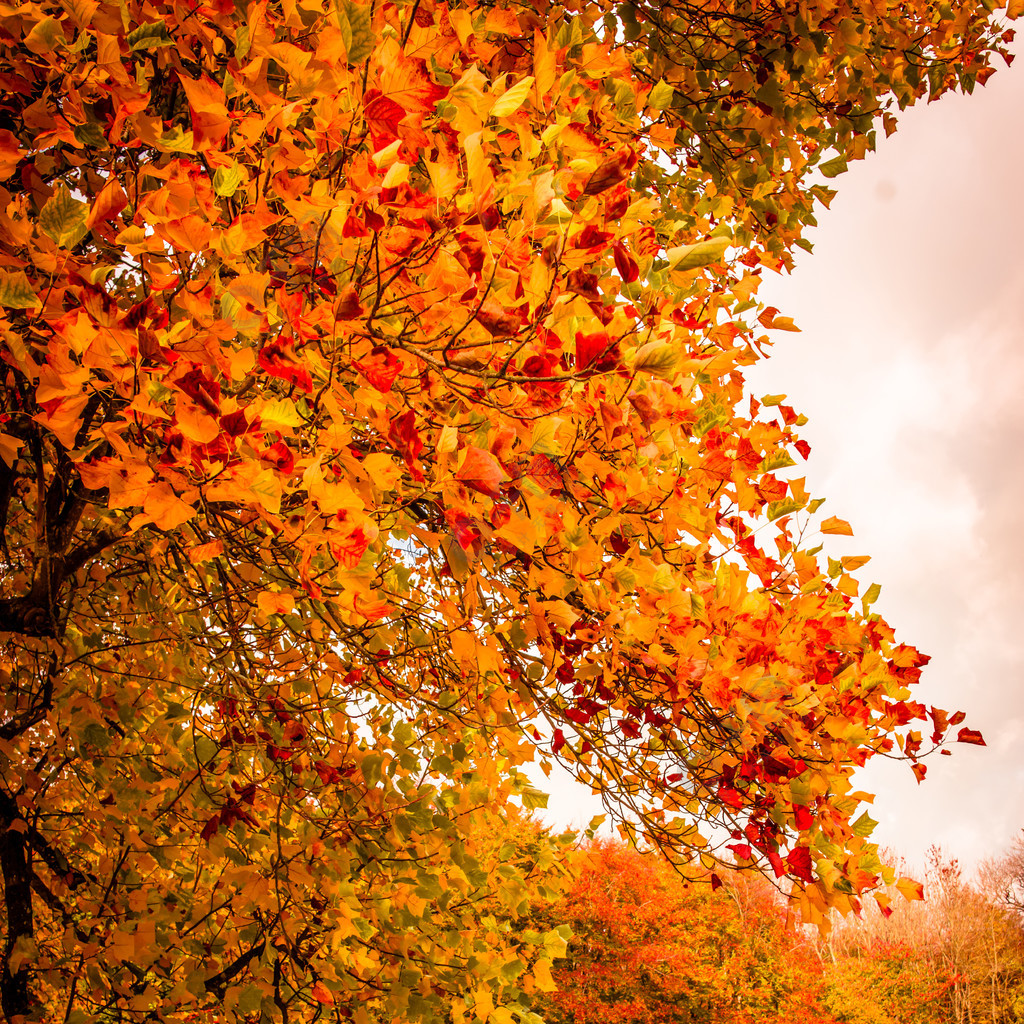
<point x="373" y="418"/>
<point x="649" y="947"/>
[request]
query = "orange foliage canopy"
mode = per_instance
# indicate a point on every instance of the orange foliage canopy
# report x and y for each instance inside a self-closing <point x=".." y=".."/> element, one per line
<point x="373" y="419"/>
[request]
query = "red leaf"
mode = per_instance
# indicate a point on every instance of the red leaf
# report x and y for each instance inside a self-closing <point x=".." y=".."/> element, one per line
<point x="381" y="369"/>
<point x="546" y="473"/>
<point x="591" y="238"/>
<point x="280" y="457"/>
<point x="799" y="863"/>
<point x="464" y="528"/>
<point x="348" y="306"/>
<point x="610" y="173"/>
<point x="321" y="994"/>
<point x="802" y="817"/>
<point x="383" y="116"/>
<point x="971" y="736"/>
<point x="403" y="435"/>
<point x="625" y="264"/>
<point x="482" y="471"/>
<point x="716" y="882"/>
<point x="210" y="828"/>
<point x="558" y="742"/>
<point x="497" y="320"/>
<point x="276" y="360"/>
<point x="596" y="351"/>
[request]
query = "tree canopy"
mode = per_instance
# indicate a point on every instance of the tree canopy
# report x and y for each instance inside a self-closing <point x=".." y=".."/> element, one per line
<point x="373" y="424"/>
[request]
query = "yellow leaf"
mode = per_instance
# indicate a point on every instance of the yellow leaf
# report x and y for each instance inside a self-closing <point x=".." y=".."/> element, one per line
<point x="480" y="176"/>
<point x="910" y="890"/>
<point x="542" y="979"/>
<point x="513" y="98"/>
<point x="699" y="254"/>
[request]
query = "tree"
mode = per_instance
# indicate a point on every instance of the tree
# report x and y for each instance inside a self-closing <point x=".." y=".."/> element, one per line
<point x="649" y="947"/>
<point x="371" y="422"/>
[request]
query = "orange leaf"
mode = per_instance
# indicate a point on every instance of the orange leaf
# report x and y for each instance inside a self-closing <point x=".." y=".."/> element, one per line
<point x="321" y="994"/>
<point x="835" y="525"/>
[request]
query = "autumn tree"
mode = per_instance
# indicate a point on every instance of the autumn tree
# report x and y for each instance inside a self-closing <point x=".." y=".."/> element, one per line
<point x="648" y="946"/>
<point x="373" y="420"/>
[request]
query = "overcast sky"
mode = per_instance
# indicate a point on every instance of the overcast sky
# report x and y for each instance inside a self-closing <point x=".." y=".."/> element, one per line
<point x="910" y="366"/>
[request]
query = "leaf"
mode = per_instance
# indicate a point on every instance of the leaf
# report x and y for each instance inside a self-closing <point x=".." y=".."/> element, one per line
<point x="697" y="254"/>
<point x="512" y="99"/>
<point x="834" y="167"/>
<point x="785" y="507"/>
<point x="355" y="23"/>
<point x="16" y="291"/>
<point x="322" y="994"/>
<point x="661" y="96"/>
<point x="970" y="736"/>
<point x="909" y="889"/>
<point x="834" y="525"/>
<point x="863" y="826"/>
<point x="656" y="358"/>
<point x="63" y="218"/>
<point x="227" y="180"/>
<point x="482" y="472"/>
<point x="152" y="35"/>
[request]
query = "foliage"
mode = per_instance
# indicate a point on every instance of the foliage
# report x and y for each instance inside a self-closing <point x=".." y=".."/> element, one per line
<point x="649" y="947"/>
<point x="371" y="420"/>
<point x="959" y="956"/>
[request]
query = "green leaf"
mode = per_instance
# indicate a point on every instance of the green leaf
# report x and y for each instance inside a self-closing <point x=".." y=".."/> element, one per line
<point x="150" y="36"/>
<point x="834" y="167"/>
<point x="90" y="134"/>
<point x="176" y="141"/>
<point x="699" y="254"/>
<point x="543" y="438"/>
<point x="46" y="35"/>
<point x="63" y="219"/>
<point x="777" y="460"/>
<point x="16" y="291"/>
<point x="534" y="798"/>
<point x="656" y="358"/>
<point x="661" y="96"/>
<point x="356" y="30"/>
<point x="226" y="180"/>
<point x="778" y="509"/>
<point x="863" y="826"/>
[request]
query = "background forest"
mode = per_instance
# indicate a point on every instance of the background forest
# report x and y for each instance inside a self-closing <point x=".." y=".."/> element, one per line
<point x="649" y="948"/>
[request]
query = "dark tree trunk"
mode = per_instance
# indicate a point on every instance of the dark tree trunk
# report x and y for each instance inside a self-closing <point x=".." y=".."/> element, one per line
<point x="16" y="867"/>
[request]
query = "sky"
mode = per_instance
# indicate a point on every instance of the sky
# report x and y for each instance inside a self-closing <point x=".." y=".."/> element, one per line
<point x="910" y="367"/>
